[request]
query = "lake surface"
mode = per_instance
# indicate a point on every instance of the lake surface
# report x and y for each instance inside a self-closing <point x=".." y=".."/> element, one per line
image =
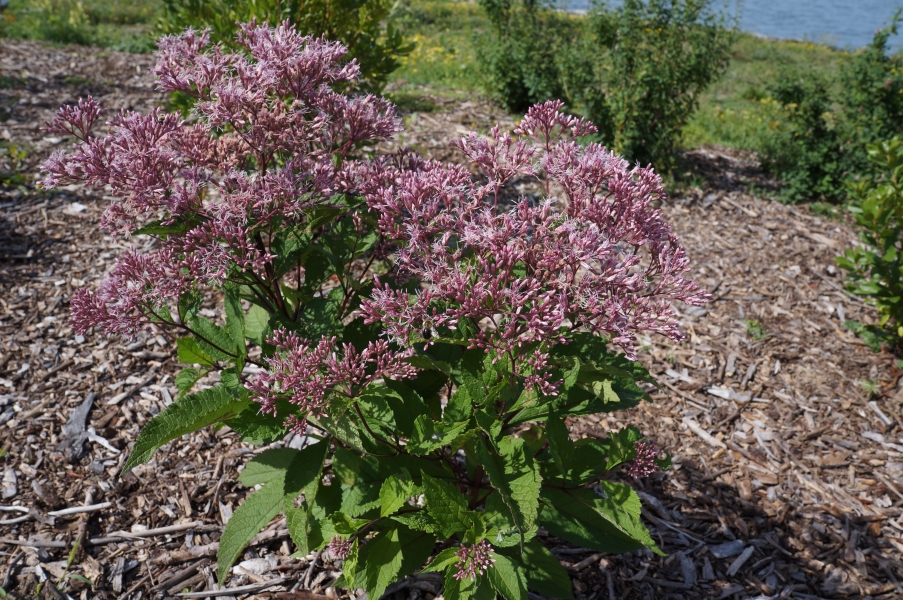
<point x="842" y="23"/>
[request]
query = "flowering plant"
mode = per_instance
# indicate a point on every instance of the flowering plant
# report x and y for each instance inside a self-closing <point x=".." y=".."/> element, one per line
<point x="427" y="336"/>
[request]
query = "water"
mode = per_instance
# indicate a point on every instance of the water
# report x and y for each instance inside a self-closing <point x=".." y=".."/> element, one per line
<point x="845" y="24"/>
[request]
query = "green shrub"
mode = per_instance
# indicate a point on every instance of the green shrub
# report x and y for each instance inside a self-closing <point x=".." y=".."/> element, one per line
<point x="805" y="149"/>
<point x="875" y="270"/>
<point x="636" y="70"/>
<point x="362" y="26"/>
<point x="658" y="57"/>
<point x="821" y="139"/>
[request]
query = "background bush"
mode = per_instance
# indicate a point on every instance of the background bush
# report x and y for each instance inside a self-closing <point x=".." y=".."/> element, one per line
<point x="636" y="70"/>
<point x="362" y="26"/>
<point x="875" y="270"/>
<point x="826" y="127"/>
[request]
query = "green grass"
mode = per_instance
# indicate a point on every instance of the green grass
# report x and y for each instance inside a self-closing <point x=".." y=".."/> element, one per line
<point x="444" y="33"/>
<point x="737" y="110"/>
<point x="118" y="24"/>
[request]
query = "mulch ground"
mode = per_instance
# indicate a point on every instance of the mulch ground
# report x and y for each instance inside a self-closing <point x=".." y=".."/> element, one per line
<point x="784" y="428"/>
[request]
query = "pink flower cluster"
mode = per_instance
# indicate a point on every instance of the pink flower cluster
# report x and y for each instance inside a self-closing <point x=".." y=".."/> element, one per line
<point x="268" y="140"/>
<point x="340" y="547"/>
<point x="644" y="463"/>
<point x="474" y="560"/>
<point x="308" y="374"/>
<point x="593" y="254"/>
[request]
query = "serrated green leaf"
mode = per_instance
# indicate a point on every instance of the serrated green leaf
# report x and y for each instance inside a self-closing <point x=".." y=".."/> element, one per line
<point x="267" y="466"/>
<point x="189" y="304"/>
<point x="419" y="521"/>
<point x="256" y="324"/>
<point x="560" y="445"/>
<point x="185" y="415"/>
<point x="621" y="446"/>
<point x="212" y="339"/>
<point x="297" y="519"/>
<point x="515" y="475"/>
<point x="344" y="525"/>
<point x="610" y="524"/>
<point x="190" y="353"/>
<point x="460" y="405"/>
<point x="443" y="560"/>
<point x="394" y="493"/>
<point x="349" y="566"/>
<point x="235" y="319"/>
<point x="507" y="578"/>
<point x="322" y="215"/>
<point x="406" y="405"/>
<point x="304" y="472"/>
<point x="248" y="520"/>
<point x="186" y="378"/>
<point x="503" y="532"/>
<point x="448" y="507"/>
<point x="545" y="573"/>
<point x="427" y="438"/>
<point x="383" y="563"/>
<point x="258" y="428"/>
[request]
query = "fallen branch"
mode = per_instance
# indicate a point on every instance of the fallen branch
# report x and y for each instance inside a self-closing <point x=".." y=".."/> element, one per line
<point x="79" y="509"/>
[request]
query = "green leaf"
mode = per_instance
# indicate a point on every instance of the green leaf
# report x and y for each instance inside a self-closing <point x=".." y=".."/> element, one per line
<point x="191" y="354"/>
<point x="406" y="405"/>
<point x="305" y="470"/>
<point x="426" y="438"/>
<point x="503" y="532"/>
<point x="189" y="304"/>
<point x="394" y="493"/>
<point x="304" y="475"/>
<point x="443" y="560"/>
<point x="256" y="324"/>
<point x="545" y="573"/>
<point x="610" y="524"/>
<point x="349" y="566"/>
<point x="448" y="507"/>
<point x="460" y="405"/>
<point x="267" y="466"/>
<point x="253" y="515"/>
<point x="185" y="415"/>
<point x="382" y="563"/>
<point x="213" y="339"/>
<point x="560" y="444"/>
<point x="507" y="578"/>
<point x="235" y="318"/>
<point x="344" y="525"/>
<point x="297" y="520"/>
<point x="258" y="428"/>
<point x="621" y="446"/>
<point x="187" y="377"/>
<point x="412" y="549"/>
<point x="419" y="521"/>
<point x="515" y="476"/>
<point x="322" y="215"/>
<point x="290" y="245"/>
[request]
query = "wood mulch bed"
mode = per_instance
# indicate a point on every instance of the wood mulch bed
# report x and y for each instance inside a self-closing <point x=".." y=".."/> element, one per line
<point x="784" y="428"/>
